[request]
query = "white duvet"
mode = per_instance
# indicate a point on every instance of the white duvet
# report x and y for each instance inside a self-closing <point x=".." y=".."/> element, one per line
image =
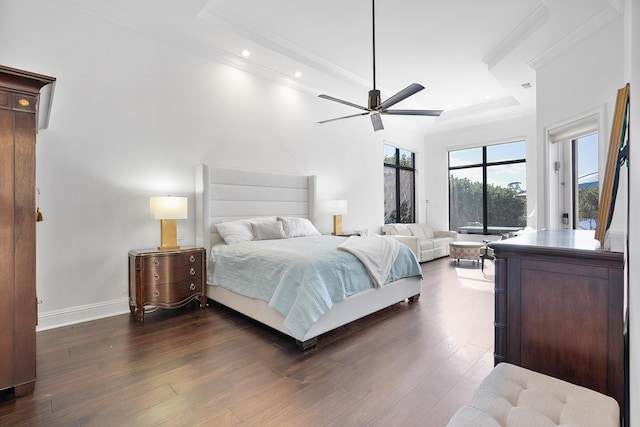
<point x="376" y="253"/>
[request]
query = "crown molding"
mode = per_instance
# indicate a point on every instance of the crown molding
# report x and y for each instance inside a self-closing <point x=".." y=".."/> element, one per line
<point x="608" y="14"/>
<point x="464" y="122"/>
<point x="280" y="45"/>
<point x="531" y="24"/>
<point x="478" y="109"/>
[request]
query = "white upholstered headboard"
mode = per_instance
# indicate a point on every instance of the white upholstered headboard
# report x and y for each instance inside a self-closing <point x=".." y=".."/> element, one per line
<point x="230" y="194"/>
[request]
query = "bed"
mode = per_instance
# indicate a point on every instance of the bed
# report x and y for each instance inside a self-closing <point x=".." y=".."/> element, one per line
<point x="230" y="195"/>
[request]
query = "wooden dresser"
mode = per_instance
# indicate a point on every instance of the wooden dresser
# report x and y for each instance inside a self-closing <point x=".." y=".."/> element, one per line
<point x="559" y="308"/>
<point x="19" y="110"/>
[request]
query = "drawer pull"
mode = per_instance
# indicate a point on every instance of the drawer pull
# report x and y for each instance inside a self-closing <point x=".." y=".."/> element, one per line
<point x="192" y="271"/>
<point x="192" y="287"/>
<point x="156" y="262"/>
<point x="156" y="293"/>
<point x="192" y="259"/>
<point x="156" y="276"/>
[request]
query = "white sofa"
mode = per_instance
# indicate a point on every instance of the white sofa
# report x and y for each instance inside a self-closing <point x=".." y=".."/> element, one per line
<point x="426" y="243"/>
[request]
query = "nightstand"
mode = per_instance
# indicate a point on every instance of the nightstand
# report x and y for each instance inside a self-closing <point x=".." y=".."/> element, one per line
<point x="166" y="279"/>
<point x="347" y="234"/>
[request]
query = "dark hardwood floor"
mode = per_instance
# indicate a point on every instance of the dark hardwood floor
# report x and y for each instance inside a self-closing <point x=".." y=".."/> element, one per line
<point x="410" y="364"/>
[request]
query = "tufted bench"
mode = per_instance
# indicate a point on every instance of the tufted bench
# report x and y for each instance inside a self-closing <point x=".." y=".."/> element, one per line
<point x="513" y="396"/>
<point x="465" y="250"/>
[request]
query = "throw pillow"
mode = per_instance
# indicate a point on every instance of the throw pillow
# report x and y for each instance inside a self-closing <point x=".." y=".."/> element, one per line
<point x="268" y="230"/>
<point x="235" y="231"/>
<point x="298" y="227"/>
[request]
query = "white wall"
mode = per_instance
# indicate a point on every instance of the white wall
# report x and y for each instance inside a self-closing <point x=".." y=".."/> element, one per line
<point x="632" y="51"/>
<point x="583" y="79"/>
<point x="490" y="132"/>
<point x="131" y="118"/>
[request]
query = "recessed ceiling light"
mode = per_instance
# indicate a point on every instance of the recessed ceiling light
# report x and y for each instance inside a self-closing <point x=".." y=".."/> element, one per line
<point x="487" y="97"/>
<point x="298" y="74"/>
<point x="246" y="53"/>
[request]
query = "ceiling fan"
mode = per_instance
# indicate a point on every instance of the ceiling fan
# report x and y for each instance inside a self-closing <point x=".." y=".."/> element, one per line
<point x="375" y="108"/>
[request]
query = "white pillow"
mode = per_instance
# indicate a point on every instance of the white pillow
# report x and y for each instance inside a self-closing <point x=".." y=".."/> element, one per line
<point x="263" y="220"/>
<point x="403" y="229"/>
<point x="268" y="230"/>
<point x="240" y="230"/>
<point x="235" y="231"/>
<point x="389" y="229"/>
<point x="298" y="227"/>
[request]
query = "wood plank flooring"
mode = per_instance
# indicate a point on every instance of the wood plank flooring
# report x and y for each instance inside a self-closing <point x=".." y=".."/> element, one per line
<point x="410" y="364"/>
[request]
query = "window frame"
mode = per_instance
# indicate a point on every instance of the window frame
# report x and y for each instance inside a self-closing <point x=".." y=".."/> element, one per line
<point x="484" y="165"/>
<point x="398" y="168"/>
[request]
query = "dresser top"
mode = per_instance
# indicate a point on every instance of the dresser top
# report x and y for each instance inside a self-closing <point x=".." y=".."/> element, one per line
<point x="580" y="243"/>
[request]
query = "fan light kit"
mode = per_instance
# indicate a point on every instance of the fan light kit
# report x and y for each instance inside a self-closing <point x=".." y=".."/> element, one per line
<point x="374" y="107"/>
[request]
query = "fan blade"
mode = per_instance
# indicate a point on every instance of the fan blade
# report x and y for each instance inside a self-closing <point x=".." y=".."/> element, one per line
<point x="413" y="112"/>
<point x="403" y="94"/>
<point x="350" y="104"/>
<point x="377" y="122"/>
<point x="345" y="117"/>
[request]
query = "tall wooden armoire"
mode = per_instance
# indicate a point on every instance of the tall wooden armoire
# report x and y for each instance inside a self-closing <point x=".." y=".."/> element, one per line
<point x="22" y="109"/>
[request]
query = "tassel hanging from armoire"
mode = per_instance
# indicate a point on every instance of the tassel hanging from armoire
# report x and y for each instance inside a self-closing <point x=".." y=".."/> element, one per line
<point x="39" y="216"/>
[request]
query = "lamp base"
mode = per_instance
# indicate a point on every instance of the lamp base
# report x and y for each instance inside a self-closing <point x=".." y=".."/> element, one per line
<point x="337" y="225"/>
<point x="168" y="235"/>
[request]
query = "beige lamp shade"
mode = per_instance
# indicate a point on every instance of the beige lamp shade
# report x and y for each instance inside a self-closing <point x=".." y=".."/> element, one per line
<point x="167" y="209"/>
<point x="337" y="207"/>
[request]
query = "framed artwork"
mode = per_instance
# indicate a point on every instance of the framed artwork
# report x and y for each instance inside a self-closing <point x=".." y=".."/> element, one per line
<point x="617" y="157"/>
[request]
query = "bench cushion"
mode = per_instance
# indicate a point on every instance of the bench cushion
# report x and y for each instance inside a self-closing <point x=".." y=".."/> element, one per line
<point x="514" y="396"/>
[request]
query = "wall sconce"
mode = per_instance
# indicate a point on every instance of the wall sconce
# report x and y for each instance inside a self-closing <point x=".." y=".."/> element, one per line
<point x="167" y="209"/>
<point x="337" y="208"/>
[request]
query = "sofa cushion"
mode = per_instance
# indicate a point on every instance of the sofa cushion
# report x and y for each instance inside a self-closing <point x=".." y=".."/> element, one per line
<point x="441" y="242"/>
<point x="389" y="229"/>
<point x="416" y="230"/>
<point x="397" y="229"/>
<point x="427" y="231"/>
<point x="425" y="244"/>
<point x="403" y="230"/>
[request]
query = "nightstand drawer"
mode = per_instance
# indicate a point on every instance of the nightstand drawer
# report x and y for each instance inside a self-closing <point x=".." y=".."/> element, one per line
<point x="163" y="269"/>
<point x="169" y="293"/>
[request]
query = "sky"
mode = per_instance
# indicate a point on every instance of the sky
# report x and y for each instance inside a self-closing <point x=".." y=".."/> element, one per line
<point x="505" y="174"/>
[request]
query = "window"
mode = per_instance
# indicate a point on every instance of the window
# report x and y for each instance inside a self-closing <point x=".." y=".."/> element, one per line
<point x="487" y="189"/>
<point x="585" y="186"/>
<point x="399" y="185"/>
<point x="573" y="184"/>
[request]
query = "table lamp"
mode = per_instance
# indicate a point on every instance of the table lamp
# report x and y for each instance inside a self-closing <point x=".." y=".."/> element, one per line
<point x="167" y="209"/>
<point x="337" y="208"/>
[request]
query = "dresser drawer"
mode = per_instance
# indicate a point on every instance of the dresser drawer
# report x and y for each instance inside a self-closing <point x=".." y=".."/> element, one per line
<point x="169" y="293"/>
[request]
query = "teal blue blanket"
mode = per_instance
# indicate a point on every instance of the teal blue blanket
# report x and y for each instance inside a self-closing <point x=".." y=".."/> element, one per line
<point x="301" y="277"/>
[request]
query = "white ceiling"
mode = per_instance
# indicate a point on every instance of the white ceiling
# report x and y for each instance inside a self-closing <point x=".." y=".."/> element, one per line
<point x="472" y="56"/>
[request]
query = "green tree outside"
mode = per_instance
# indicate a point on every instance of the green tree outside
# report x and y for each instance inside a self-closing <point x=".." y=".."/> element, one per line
<point x="588" y="204"/>
<point x="506" y="206"/>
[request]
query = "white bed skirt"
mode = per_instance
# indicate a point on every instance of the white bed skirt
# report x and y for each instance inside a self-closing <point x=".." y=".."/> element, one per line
<point x="341" y="313"/>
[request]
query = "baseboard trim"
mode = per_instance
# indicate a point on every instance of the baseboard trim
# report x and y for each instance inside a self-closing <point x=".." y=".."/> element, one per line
<point x="84" y="313"/>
